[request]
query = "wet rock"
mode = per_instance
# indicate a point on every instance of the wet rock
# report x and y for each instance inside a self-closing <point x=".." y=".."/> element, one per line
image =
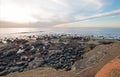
<point x="9" y="53"/>
<point x="20" y="41"/>
<point x="38" y="44"/>
<point x="27" y="47"/>
<point x="68" y="68"/>
<point x="21" y="63"/>
<point x="20" y="51"/>
<point x="2" y="68"/>
<point x="34" y="64"/>
<point x="16" y="68"/>
<point x="3" y="73"/>
<point x="24" y="58"/>
<point x="105" y="42"/>
<point x="33" y="51"/>
<point x="92" y="46"/>
<point x="3" y="63"/>
<point x="58" y="66"/>
<point x="31" y="58"/>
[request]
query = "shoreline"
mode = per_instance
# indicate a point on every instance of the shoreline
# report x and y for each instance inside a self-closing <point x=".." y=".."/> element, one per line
<point x="26" y="35"/>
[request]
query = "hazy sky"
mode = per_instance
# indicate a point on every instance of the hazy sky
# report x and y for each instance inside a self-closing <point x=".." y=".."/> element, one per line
<point x="59" y="13"/>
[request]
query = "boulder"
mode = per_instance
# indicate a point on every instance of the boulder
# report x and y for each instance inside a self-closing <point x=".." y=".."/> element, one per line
<point x="22" y="63"/>
<point x="20" y="51"/>
<point x="3" y="73"/>
<point x="16" y="68"/>
<point x="9" y="53"/>
<point x="2" y="68"/>
<point x="3" y="63"/>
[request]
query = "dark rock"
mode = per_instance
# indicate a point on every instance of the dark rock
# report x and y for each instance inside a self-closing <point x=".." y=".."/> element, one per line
<point x="27" y="47"/>
<point x="105" y="42"/>
<point x="58" y="66"/>
<point x="92" y="46"/>
<point x="24" y="58"/>
<point x="9" y="53"/>
<point x="21" y="63"/>
<point x="38" y="44"/>
<point x="20" y="41"/>
<point x="68" y="57"/>
<point x="68" y="68"/>
<point x="35" y="64"/>
<point x="3" y="73"/>
<point x="2" y="68"/>
<point x="31" y="58"/>
<point x="33" y="51"/>
<point x="16" y="68"/>
<point x="3" y="64"/>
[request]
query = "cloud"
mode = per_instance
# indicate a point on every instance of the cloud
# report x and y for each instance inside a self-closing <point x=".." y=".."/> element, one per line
<point x="49" y="10"/>
<point x="52" y="12"/>
<point x="5" y="24"/>
<point x="61" y="23"/>
<point x="107" y="14"/>
<point x="64" y="10"/>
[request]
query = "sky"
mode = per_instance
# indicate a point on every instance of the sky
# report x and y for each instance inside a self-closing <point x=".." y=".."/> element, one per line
<point x="59" y="13"/>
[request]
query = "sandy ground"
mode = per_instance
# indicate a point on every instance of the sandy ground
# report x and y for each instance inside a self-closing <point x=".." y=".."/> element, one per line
<point x="43" y="72"/>
<point x="111" y="69"/>
<point x="96" y="59"/>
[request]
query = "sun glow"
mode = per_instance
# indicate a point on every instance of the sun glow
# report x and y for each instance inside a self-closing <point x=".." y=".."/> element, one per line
<point x="14" y="13"/>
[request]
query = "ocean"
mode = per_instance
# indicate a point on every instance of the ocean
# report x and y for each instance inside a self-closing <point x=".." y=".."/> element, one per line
<point x="111" y="33"/>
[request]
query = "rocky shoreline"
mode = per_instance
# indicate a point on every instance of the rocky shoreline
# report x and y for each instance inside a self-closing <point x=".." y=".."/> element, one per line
<point x="59" y="52"/>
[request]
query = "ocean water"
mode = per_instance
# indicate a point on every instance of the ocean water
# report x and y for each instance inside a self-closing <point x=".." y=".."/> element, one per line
<point x="111" y="33"/>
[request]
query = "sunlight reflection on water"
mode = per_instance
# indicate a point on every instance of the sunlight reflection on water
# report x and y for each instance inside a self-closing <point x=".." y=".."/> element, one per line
<point x="15" y="32"/>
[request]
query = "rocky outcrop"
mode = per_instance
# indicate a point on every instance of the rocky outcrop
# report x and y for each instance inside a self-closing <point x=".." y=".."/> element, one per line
<point x="22" y="55"/>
